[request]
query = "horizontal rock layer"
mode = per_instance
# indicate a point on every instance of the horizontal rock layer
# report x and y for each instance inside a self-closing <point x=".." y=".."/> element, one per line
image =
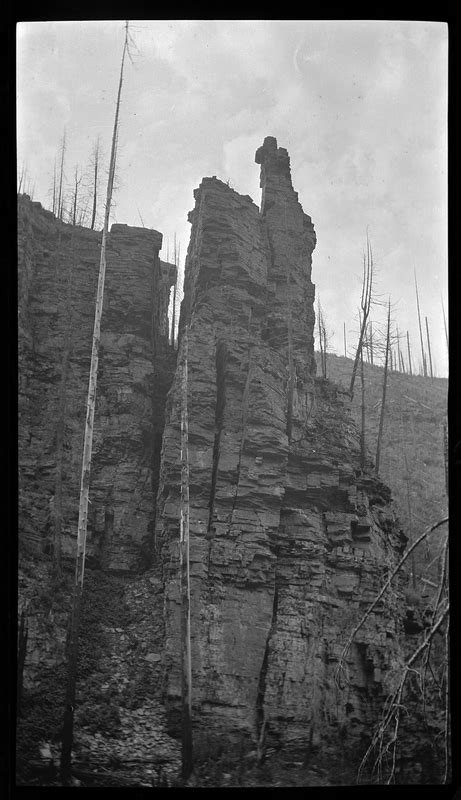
<point x="58" y="273"/>
<point x="289" y="539"/>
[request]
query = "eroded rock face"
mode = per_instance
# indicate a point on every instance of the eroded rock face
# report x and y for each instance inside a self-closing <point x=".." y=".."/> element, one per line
<point x="58" y="272"/>
<point x="289" y="540"/>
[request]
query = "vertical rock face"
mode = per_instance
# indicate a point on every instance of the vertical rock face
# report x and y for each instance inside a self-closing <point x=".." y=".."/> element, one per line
<point x="58" y="272"/>
<point x="289" y="539"/>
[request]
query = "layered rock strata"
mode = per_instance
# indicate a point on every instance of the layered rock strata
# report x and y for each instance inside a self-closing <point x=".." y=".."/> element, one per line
<point x="58" y="271"/>
<point x="289" y="539"/>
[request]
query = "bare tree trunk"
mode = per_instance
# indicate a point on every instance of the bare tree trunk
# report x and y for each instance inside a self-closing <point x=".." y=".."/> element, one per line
<point x="77" y="182"/>
<point x="371" y="342"/>
<point x="322" y="341"/>
<point x="344" y="335"/>
<point x="291" y="371"/>
<point x="22" y="178"/>
<point x="325" y="344"/>
<point x="319" y="325"/>
<point x="173" y="311"/>
<point x="445" y="454"/>
<point x="187" y="757"/>
<point x="61" y="177"/>
<point x="173" y="315"/>
<point x="365" y="344"/>
<point x="423" y="355"/>
<point x="95" y="182"/>
<point x="429" y="348"/>
<point x="383" y="401"/>
<point x="409" y="354"/>
<point x="67" y="737"/>
<point x="61" y="413"/>
<point x="399" y="353"/>
<point x="54" y="187"/>
<point x="365" y="304"/>
<point x="445" y="325"/>
<point x="362" y="433"/>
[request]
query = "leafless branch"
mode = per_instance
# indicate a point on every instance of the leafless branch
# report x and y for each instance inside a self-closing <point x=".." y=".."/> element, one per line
<point x="380" y="594"/>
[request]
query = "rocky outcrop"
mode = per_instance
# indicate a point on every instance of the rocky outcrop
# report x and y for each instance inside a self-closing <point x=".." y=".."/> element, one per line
<point x="58" y="271"/>
<point x="290" y="540"/>
<point x="119" y="717"/>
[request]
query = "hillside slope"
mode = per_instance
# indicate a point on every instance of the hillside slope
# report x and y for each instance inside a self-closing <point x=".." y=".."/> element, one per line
<point x="412" y="453"/>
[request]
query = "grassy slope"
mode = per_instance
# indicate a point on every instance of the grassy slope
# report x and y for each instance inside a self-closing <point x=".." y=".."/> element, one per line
<point x="416" y="409"/>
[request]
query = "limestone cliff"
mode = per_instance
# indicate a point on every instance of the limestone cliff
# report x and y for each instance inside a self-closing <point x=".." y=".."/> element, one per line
<point x="289" y="539"/>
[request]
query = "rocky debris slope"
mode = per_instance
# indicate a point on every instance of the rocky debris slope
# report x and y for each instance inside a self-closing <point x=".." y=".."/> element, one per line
<point x="58" y="268"/>
<point x="290" y="540"/>
<point x="121" y="733"/>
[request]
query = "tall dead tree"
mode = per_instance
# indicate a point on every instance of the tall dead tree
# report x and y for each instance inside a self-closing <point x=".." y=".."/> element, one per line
<point x="423" y="354"/>
<point x="445" y="454"/>
<point x="365" y="344"/>
<point x="363" y="409"/>
<point x="401" y="365"/>
<point x="184" y="576"/>
<point x="429" y="348"/>
<point x="61" y="410"/>
<point x="173" y="310"/>
<point x="383" y="399"/>
<point x="68" y="724"/>
<point x="54" y="189"/>
<point x="322" y="339"/>
<point x="381" y="753"/>
<point x="365" y="305"/>
<point x="445" y="324"/>
<point x="409" y="354"/>
<point x="291" y="369"/>
<point x="95" y="166"/>
<point x="77" y="182"/>
<point x="22" y="178"/>
<point x="24" y="182"/>
<point x="60" y="200"/>
<point x="371" y="341"/>
<point x="344" y="336"/>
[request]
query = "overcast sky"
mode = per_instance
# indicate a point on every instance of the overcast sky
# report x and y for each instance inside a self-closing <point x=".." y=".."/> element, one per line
<point x="361" y="107"/>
